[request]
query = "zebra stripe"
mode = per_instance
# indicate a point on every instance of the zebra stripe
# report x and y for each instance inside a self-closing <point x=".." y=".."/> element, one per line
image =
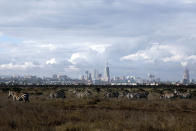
<point x="57" y="94"/>
<point x="19" y="96"/>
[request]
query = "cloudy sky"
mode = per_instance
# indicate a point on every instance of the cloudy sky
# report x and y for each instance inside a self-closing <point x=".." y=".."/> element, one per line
<point x="136" y="37"/>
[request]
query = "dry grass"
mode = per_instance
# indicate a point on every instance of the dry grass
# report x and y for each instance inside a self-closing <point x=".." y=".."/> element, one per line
<point x="96" y="113"/>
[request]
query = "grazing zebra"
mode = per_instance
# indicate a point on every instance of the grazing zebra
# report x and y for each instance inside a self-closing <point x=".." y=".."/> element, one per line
<point x="168" y="95"/>
<point x="142" y="95"/>
<point x="112" y="94"/>
<point x="83" y="94"/>
<point x="183" y="95"/>
<point x="137" y="95"/>
<point x="57" y="94"/>
<point x="19" y="96"/>
<point x="130" y="95"/>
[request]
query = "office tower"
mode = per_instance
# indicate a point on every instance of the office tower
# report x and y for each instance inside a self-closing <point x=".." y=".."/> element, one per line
<point x="54" y="76"/>
<point x="82" y="77"/>
<point x="107" y="74"/>
<point x="186" y="77"/>
<point x="99" y="77"/>
<point x="95" y="75"/>
<point x="90" y="77"/>
<point x="86" y="75"/>
<point x="151" y="77"/>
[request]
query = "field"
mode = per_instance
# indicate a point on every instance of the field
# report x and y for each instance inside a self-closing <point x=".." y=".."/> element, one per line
<point x="95" y="112"/>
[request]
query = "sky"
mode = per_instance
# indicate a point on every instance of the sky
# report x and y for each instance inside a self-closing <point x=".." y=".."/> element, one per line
<point x="136" y="37"/>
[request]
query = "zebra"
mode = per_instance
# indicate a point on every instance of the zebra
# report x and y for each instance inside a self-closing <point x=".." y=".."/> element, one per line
<point x="19" y="96"/>
<point x="168" y="95"/>
<point x="183" y="95"/>
<point x="142" y="95"/>
<point x="83" y="94"/>
<point x="137" y="95"/>
<point x="112" y="94"/>
<point x="57" y="94"/>
<point x="130" y="95"/>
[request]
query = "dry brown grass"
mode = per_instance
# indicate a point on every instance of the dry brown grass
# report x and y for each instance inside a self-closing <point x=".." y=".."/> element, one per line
<point x="97" y="113"/>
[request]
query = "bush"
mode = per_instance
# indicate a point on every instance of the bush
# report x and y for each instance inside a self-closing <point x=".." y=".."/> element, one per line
<point x="5" y="89"/>
<point x="17" y="89"/>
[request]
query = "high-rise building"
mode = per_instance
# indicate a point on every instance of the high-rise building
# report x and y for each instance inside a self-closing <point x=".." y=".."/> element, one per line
<point x="54" y="76"/>
<point x="186" y="77"/>
<point x="86" y="75"/>
<point x="95" y="75"/>
<point x="89" y="77"/>
<point x="107" y="74"/>
<point x="99" y="77"/>
<point x="82" y="77"/>
<point x="151" y="77"/>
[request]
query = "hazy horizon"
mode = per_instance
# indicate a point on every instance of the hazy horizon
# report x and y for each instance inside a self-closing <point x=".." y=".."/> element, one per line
<point x="136" y="37"/>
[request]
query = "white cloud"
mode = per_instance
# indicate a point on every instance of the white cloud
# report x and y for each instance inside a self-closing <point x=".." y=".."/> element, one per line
<point x="165" y="53"/>
<point x="76" y="57"/>
<point x="192" y="57"/>
<point x="141" y="55"/>
<point x="51" y="61"/>
<point x="174" y="58"/>
<point x="89" y="54"/>
<point x="12" y="66"/>
<point x="165" y="1"/>
<point x="156" y="51"/>
<point x="188" y="1"/>
<point x="41" y="44"/>
<point x="87" y="32"/>
<point x="48" y="46"/>
<point x="71" y="68"/>
<point x="100" y="48"/>
<point x="184" y="63"/>
<point x="1" y="34"/>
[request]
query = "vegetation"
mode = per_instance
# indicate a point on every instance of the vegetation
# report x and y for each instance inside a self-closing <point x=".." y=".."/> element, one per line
<point x="95" y="112"/>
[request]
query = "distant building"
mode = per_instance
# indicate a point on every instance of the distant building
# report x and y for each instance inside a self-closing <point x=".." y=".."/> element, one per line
<point x="82" y="78"/>
<point x="86" y="75"/>
<point x="192" y="81"/>
<point x="107" y="74"/>
<point x="186" y="77"/>
<point x="151" y="77"/>
<point x="99" y="77"/>
<point x="95" y="75"/>
<point x="63" y="77"/>
<point x="97" y="82"/>
<point x="89" y="77"/>
<point x="54" y="76"/>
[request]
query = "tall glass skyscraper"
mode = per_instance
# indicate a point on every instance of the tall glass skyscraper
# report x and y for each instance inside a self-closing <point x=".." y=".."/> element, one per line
<point x="186" y="77"/>
<point x="107" y="73"/>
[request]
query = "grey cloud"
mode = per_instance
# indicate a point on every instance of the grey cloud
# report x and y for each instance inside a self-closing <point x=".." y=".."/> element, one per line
<point x="58" y="29"/>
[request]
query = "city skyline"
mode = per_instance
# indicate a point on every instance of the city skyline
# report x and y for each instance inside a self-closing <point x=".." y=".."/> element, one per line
<point x="106" y="71"/>
<point x="106" y="77"/>
<point x="95" y="78"/>
<point x="69" y="37"/>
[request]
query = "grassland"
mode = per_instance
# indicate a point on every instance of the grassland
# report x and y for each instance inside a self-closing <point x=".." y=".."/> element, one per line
<point x="95" y="113"/>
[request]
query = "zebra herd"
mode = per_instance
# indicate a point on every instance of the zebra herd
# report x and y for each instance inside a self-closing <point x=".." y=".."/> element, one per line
<point x="128" y="95"/>
<point x="175" y="94"/>
<point x="140" y="94"/>
<point x="166" y="94"/>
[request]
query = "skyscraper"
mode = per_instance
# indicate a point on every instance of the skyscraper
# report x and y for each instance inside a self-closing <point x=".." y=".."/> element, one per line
<point x="186" y="77"/>
<point x="107" y="74"/>
<point x="95" y="75"/>
<point x="89" y="77"/>
<point x="86" y="75"/>
<point x="54" y="76"/>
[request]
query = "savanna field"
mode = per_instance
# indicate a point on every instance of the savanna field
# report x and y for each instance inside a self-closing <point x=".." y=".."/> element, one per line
<point x="97" y="109"/>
